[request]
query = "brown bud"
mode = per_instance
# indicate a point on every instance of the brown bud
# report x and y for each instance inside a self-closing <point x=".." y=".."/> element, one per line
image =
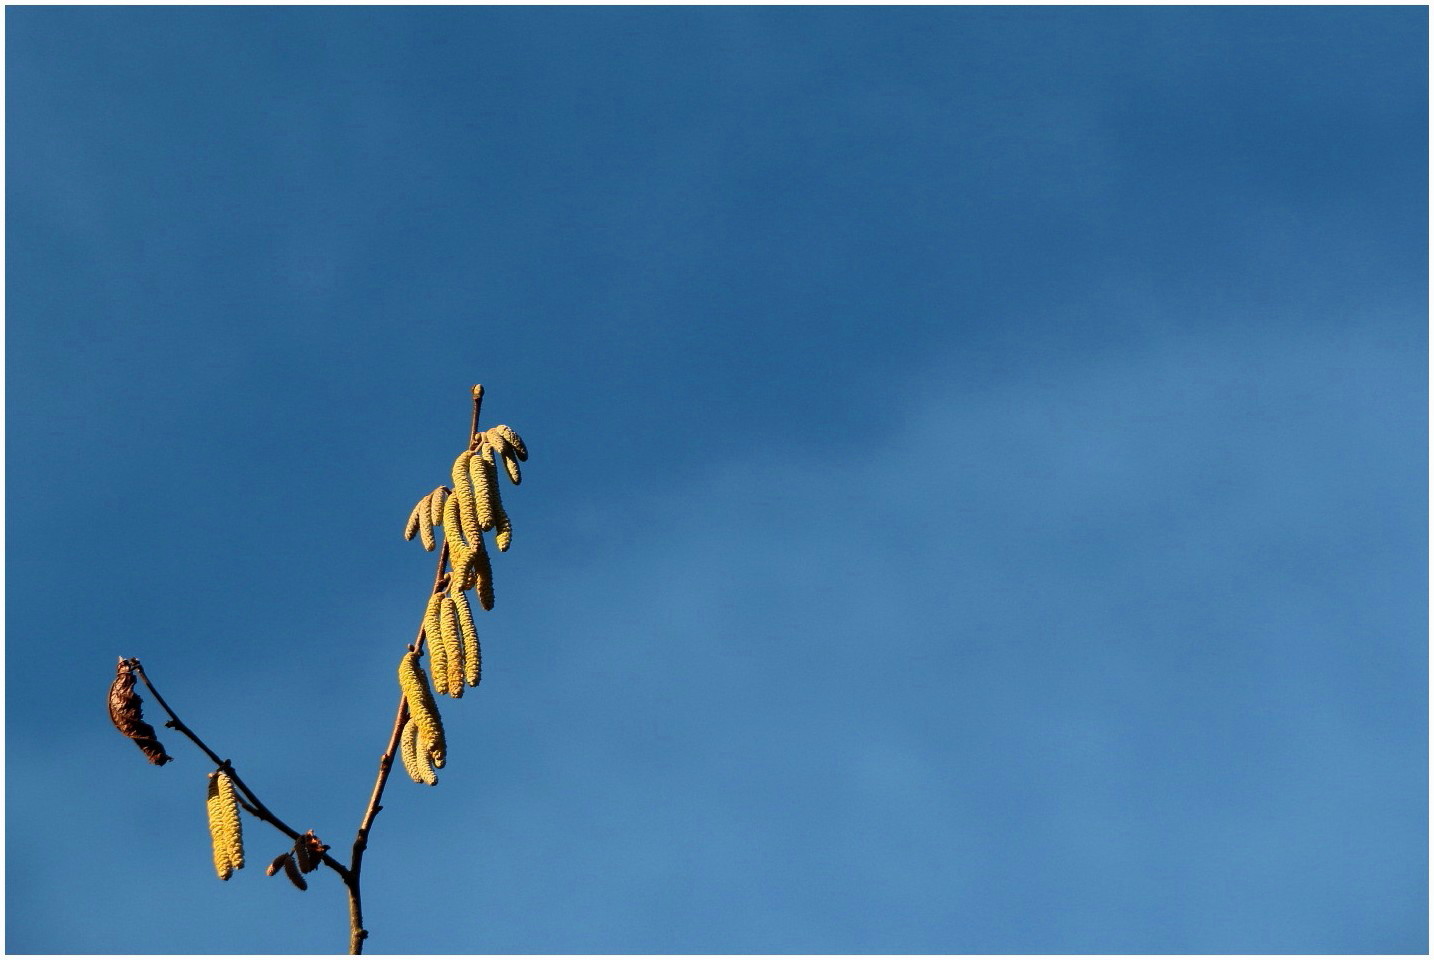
<point x="309" y="852"/>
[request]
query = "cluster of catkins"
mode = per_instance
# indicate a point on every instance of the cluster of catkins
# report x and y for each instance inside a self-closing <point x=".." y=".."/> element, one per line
<point x="465" y="511"/>
<point x="306" y="856"/>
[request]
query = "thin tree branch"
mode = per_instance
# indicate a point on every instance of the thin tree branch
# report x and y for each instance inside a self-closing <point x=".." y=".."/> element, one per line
<point x="255" y="805"/>
<point x="357" y="933"/>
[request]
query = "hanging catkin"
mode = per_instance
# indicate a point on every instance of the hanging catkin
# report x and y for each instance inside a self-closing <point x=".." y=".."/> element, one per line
<point x="463" y="493"/>
<point x="472" y="652"/>
<point x="501" y="447"/>
<point x="511" y="435"/>
<point x="485" y="486"/>
<point x="414" y="684"/>
<point x="482" y="575"/>
<point x="417" y="521"/>
<point x="433" y="636"/>
<point x="452" y="528"/>
<point x="225" y="832"/>
<point x="453" y="649"/>
<point x="291" y="870"/>
<point x="460" y="552"/>
<point x="436" y="500"/>
<point x="417" y="765"/>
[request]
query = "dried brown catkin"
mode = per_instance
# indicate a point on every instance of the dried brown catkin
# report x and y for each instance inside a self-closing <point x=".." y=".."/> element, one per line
<point x="309" y="852"/>
<point x="472" y="652"/>
<point x="225" y="832"/>
<point x="453" y="648"/>
<point x="414" y="684"/>
<point x="291" y="870"/>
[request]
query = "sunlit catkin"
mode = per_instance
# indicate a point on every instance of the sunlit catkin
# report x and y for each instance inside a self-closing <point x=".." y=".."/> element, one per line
<point x="472" y="651"/>
<point x="414" y="762"/>
<point x="452" y="528"/>
<point x="460" y="553"/>
<point x="436" y="499"/>
<point x="485" y="486"/>
<point x="433" y="634"/>
<point x="464" y="572"/>
<point x="414" y="684"/>
<point x="417" y="521"/>
<point x="482" y="575"/>
<point x="511" y="435"/>
<point x="498" y="442"/>
<point x="453" y="647"/>
<point x="225" y="832"/>
<point x="463" y="493"/>
<point x="503" y="531"/>
<point x="428" y="752"/>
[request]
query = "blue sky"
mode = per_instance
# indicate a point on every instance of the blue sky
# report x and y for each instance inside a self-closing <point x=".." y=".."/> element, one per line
<point x="977" y="498"/>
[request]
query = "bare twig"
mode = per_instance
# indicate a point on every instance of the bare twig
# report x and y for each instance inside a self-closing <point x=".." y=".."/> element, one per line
<point x="255" y="806"/>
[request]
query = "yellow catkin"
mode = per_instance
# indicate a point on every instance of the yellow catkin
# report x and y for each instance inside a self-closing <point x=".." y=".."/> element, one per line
<point x="482" y="575"/>
<point x="499" y="443"/>
<point x="453" y="647"/>
<point x="416" y="765"/>
<point x="463" y="493"/>
<point x="428" y="753"/>
<point x="503" y="530"/>
<point x="414" y="684"/>
<point x="436" y="499"/>
<point x="472" y="651"/>
<point x="464" y="571"/>
<point x="485" y="486"/>
<point x="425" y="531"/>
<point x="433" y="634"/>
<point x="511" y="435"/>
<point x="452" y="529"/>
<point x="504" y="449"/>
<point x="225" y="831"/>
<point x="410" y="529"/>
